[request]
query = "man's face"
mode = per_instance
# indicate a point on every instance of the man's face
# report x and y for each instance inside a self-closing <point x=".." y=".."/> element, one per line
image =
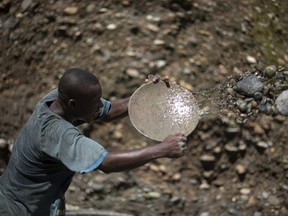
<point x="87" y="107"/>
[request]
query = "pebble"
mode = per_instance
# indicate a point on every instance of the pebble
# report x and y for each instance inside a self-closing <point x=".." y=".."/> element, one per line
<point x="152" y="195"/>
<point x="242" y="105"/>
<point x="257" y="95"/>
<point x="240" y="169"/>
<point x="251" y="60"/>
<point x="152" y="27"/>
<point x="71" y="10"/>
<point x="250" y="85"/>
<point x="282" y="103"/>
<point x="273" y="200"/>
<point x="111" y="26"/>
<point x="204" y="186"/>
<point x="158" y="42"/>
<point x="3" y="143"/>
<point x="245" y="191"/>
<point x="160" y="63"/>
<point x="262" y="145"/>
<point x="176" y="177"/>
<point x="258" y="129"/>
<point x="231" y="149"/>
<point x="270" y="71"/>
<point x="208" y="161"/>
<point x="132" y="73"/>
<point x="257" y="214"/>
<point x="186" y="85"/>
<point x="25" y="4"/>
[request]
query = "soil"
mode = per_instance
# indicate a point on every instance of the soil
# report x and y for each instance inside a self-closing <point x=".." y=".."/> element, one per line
<point x="230" y="167"/>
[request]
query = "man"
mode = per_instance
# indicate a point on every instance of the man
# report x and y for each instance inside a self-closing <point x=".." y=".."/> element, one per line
<point x="50" y="149"/>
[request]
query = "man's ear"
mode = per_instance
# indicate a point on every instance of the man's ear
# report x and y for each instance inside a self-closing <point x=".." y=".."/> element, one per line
<point x="72" y="103"/>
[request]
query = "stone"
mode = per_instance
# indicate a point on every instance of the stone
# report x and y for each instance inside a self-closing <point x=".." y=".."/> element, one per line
<point x="152" y="27"/>
<point x="262" y="145"/>
<point x="208" y="161"/>
<point x="132" y="73"/>
<point x="251" y="60"/>
<point x="282" y="103"/>
<point x="25" y="4"/>
<point x="161" y="63"/>
<point x="240" y="169"/>
<point x="3" y="144"/>
<point x="152" y="195"/>
<point x="249" y="85"/>
<point x="111" y="26"/>
<point x="270" y="71"/>
<point x="273" y="200"/>
<point x="71" y="10"/>
<point x="245" y="191"/>
<point x="204" y="186"/>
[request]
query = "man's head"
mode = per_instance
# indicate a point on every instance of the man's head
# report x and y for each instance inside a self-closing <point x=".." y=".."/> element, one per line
<point x="79" y="94"/>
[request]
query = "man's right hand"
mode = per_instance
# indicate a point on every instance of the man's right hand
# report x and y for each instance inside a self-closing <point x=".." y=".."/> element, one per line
<point x="174" y="145"/>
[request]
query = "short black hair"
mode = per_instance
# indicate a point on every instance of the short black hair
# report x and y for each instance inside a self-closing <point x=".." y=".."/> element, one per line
<point x="74" y="81"/>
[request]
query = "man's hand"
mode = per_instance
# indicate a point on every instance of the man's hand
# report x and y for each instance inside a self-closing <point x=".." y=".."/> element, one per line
<point x="174" y="145"/>
<point x="156" y="79"/>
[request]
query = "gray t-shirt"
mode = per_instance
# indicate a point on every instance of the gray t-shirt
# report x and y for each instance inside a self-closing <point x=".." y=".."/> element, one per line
<point x="46" y="155"/>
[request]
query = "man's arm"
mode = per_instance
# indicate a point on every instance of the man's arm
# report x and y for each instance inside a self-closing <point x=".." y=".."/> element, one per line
<point x="118" y="110"/>
<point x="173" y="147"/>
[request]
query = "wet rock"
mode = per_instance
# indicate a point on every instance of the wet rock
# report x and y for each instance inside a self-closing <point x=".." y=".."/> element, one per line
<point x="282" y="103"/>
<point x="270" y="71"/>
<point x="249" y="85"/>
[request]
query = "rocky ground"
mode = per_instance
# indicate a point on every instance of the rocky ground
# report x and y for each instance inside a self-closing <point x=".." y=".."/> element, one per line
<point x="231" y="54"/>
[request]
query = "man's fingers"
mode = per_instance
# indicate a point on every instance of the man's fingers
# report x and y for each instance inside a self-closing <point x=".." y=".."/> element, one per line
<point x="156" y="78"/>
<point x="182" y="144"/>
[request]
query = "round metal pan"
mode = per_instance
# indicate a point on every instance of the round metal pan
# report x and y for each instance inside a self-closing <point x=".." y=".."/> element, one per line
<point x="160" y="109"/>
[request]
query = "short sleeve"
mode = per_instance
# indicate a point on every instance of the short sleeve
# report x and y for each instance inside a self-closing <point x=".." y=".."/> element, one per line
<point x="105" y="109"/>
<point x="64" y="142"/>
